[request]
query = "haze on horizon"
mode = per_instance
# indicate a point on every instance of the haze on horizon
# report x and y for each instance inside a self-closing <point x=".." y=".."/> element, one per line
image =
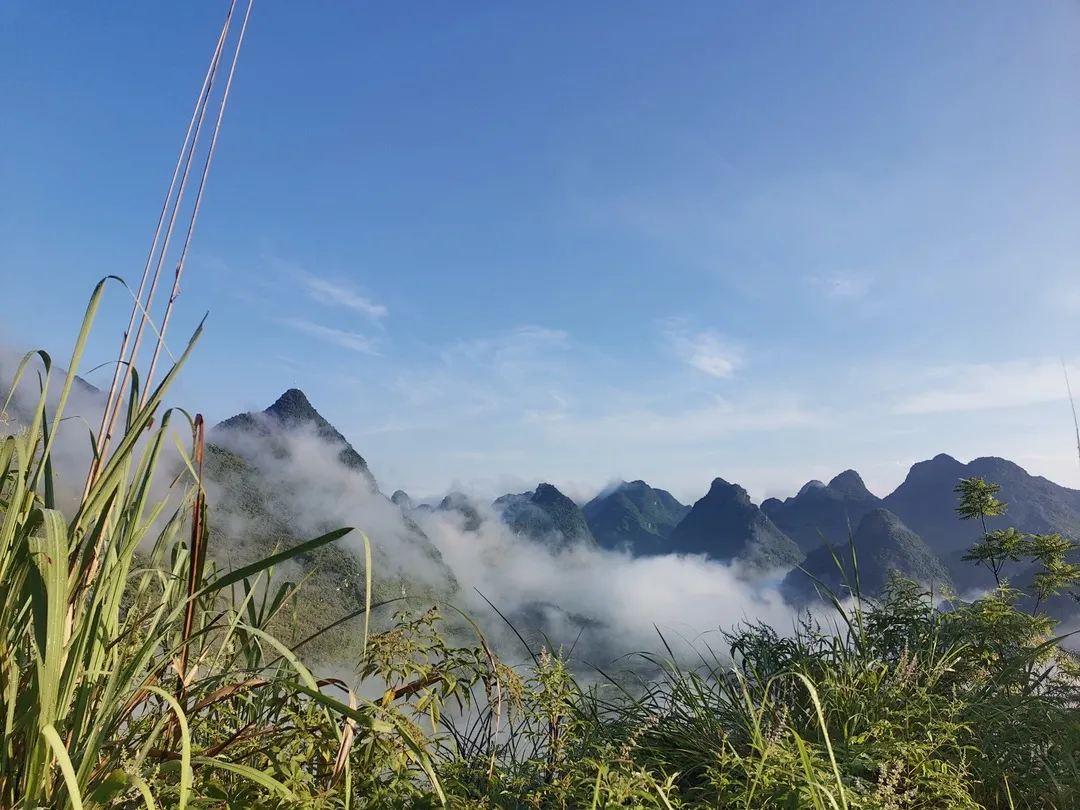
<point x="500" y="245"/>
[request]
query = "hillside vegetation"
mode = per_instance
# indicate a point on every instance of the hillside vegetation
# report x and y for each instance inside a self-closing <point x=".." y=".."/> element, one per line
<point x="135" y="672"/>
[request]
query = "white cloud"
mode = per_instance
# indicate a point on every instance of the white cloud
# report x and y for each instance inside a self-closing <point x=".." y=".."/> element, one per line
<point x="707" y="351"/>
<point x="843" y="287"/>
<point x="337" y="337"/>
<point x="987" y="386"/>
<point x="333" y="293"/>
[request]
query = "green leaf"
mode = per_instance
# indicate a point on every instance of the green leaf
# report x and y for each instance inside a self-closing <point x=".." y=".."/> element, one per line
<point x="110" y="787"/>
<point x="62" y="758"/>
<point x="256" y="776"/>
<point x="239" y="574"/>
<point x="49" y="549"/>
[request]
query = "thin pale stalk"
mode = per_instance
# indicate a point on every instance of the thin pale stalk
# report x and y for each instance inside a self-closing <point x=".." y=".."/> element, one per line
<point x="199" y="194"/>
<point x="112" y="409"/>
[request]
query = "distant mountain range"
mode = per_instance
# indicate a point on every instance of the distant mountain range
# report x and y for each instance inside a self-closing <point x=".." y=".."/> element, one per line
<point x="262" y="500"/>
<point x="913" y="530"/>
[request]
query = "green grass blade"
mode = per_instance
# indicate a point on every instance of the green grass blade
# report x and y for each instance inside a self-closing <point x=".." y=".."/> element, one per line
<point x="239" y="574"/>
<point x="256" y="776"/>
<point x="64" y="761"/>
<point x="185" y="744"/>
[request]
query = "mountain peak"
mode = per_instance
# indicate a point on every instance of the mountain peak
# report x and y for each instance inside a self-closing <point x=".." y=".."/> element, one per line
<point x="726" y="525"/>
<point x="944" y="458"/>
<point x="454" y="500"/>
<point x="401" y="498"/>
<point x="940" y="468"/>
<point x="460" y="503"/>
<point x="293" y="405"/>
<point x="546" y="514"/>
<point x="821" y="513"/>
<point x="293" y="409"/>
<point x="879" y="520"/>
<point x="722" y="489"/>
<point x="634" y="516"/>
<point x="547" y="493"/>
<point x="850" y="484"/>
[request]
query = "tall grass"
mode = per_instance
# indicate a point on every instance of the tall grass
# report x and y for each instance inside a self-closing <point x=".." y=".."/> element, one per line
<point x="126" y="671"/>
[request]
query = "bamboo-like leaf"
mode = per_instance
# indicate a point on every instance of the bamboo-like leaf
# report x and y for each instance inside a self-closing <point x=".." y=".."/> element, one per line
<point x="49" y="550"/>
<point x="144" y="791"/>
<point x="367" y="588"/>
<point x="286" y="653"/>
<point x="239" y="574"/>
<point x="77" y="353"/>
<point x="64" y="761"/>
<point x="185" y="744"/>
<point x="110" y="787"/>
<point x="256" y="776"/>
<point x="50" y="492"/>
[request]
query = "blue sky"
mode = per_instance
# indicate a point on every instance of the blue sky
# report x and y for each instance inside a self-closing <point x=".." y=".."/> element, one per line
<point x="503" y="242"/>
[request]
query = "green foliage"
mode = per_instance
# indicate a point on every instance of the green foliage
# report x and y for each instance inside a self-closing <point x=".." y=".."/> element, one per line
<point x="1049" y="553"/>
<point x="978" y="499"/>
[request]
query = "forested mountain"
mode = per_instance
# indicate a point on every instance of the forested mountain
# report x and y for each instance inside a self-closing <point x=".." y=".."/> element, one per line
<point x="925" y="501"/>
<point x="822" y="513"/>
<point x="635" y="517"/>
<point x="284" y="475"/>
<point x="882" y="545"/>
<point x="462" y="504"/>
<point x="546" y="515"/>
<point x="725" y="525"/>
<point x="292" y="410"/>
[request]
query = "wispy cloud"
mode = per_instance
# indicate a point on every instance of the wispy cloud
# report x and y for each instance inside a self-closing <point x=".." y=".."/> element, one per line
<point x="718" y="418"/>
<point x="336" y="337"/>
<point x="522" y="353"/>
<point x="986" y="386"/>
<point x="707" y="351"/>
<point x="843" y="286"/>
<point x="341" y="294"/>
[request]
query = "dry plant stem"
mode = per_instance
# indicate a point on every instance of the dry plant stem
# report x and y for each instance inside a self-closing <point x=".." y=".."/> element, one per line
<point x="116" y="388"/>
<point x="198" y="201"/>
<point x="1072" y="404"/>
<point x="198" y="549"/>
<point x="116" y="393"/>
